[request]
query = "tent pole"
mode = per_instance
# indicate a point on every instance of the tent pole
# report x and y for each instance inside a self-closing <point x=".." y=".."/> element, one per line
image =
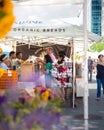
<point x="73" y="71"/>
<point x="85" y="59"/>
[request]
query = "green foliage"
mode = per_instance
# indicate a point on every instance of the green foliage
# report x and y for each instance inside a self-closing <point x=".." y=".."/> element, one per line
<point x="77" y="57"/>
<point x="99" y="46"/>
<point x="36" y="127"/>
<point x="17" y="105"/>
<point x="54" y="102"/>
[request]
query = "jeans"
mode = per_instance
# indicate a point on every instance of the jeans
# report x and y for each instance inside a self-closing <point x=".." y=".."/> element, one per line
<point x="90" y="75"/>
<point x="99" y="83"/>
<point x="48" y="80"/>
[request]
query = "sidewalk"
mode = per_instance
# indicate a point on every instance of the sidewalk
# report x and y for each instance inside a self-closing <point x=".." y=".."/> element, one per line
<point x="74" y="118"/>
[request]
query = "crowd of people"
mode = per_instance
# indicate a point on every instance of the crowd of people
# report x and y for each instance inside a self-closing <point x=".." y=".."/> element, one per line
<point x="14" y="62"/>
<point x="51" y="62"/>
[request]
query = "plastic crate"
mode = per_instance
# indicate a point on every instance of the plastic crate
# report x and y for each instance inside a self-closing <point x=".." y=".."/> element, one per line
<point x="9" y="79"/>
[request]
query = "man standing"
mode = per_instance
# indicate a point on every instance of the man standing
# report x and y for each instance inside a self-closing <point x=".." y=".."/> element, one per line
<point x="90" y="62"/>
<point x="49" y="51"/>
<point x="18" y="61"/>
<point x="100" y="75"/>
<point x="12" y="56"/>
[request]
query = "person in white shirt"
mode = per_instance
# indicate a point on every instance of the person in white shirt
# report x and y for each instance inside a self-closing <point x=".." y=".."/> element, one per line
<point x="49" y="51"/>
<point x="4" y="62"/>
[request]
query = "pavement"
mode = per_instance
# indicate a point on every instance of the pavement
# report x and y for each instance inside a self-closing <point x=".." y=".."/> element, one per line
<point x="74" y="117"/>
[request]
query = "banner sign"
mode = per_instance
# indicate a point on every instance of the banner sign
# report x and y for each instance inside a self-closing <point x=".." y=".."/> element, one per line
<point x="49" y="29"/>
<point x="38" y="30"/>
<point x="35" y="31"/>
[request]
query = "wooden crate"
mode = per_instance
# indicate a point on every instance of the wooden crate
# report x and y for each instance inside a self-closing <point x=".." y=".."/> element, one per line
<point x="9" y="79"/>
<point x="27" y="71"/>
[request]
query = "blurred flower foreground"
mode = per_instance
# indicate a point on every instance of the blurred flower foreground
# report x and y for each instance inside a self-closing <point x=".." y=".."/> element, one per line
<point x="35" y="109"/>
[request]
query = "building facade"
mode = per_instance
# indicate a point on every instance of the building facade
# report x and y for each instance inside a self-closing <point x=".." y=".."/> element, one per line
<point x="103" y="18"/>
<point x="96" y="16"/>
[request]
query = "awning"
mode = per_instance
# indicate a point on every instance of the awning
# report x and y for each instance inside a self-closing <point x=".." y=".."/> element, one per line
<point x="49" y="29"/>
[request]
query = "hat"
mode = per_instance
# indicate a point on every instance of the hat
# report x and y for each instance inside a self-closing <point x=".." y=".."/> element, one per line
<point x="3" y="57"/>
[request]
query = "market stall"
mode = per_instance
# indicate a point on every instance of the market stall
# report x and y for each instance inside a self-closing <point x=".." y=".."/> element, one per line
<point x="35" y="37"/>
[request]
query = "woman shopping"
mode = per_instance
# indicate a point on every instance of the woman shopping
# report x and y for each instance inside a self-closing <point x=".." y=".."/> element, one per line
<point x="48" y="67"/>
<point x="100" y="75"/>
<point x="62" y="73"/>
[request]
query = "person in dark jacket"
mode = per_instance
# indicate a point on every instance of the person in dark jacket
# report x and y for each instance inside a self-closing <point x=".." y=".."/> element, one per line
<point x="100" y="75"/>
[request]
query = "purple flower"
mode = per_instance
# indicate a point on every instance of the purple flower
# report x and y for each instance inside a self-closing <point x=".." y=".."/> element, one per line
<point x="14" y="113"/>
<point x="43" y="117"/>
<point x="22" y="100"/>
<point x="3" y="99"/>
<point x="4" y="126"/>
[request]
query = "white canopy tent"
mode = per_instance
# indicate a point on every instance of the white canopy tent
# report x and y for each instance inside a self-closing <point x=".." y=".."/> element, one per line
<point x="51" y="31"/>
<point x="47" y="9"/>
<point x="62" y="16"/>
<point x="56" y="28"/>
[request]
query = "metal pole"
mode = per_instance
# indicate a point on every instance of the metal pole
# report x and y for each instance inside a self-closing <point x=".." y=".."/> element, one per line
<point x="73" y="71"/>
<point x="85" y="59"/>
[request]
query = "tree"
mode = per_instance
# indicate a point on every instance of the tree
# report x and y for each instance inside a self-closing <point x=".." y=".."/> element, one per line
<point x="98" y="46"/>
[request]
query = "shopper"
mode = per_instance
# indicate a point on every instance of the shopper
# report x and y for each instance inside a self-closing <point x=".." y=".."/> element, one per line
<point x="48" y="67"/>
<point x="4" y="62"/>
<point x="17" y="63"/>
<point x="62" y="73"/>
<point x="100" y="75"/>
<point x="90" y="68"/>
<point x="49" y="51"/>
<point x="12" y="56"/>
